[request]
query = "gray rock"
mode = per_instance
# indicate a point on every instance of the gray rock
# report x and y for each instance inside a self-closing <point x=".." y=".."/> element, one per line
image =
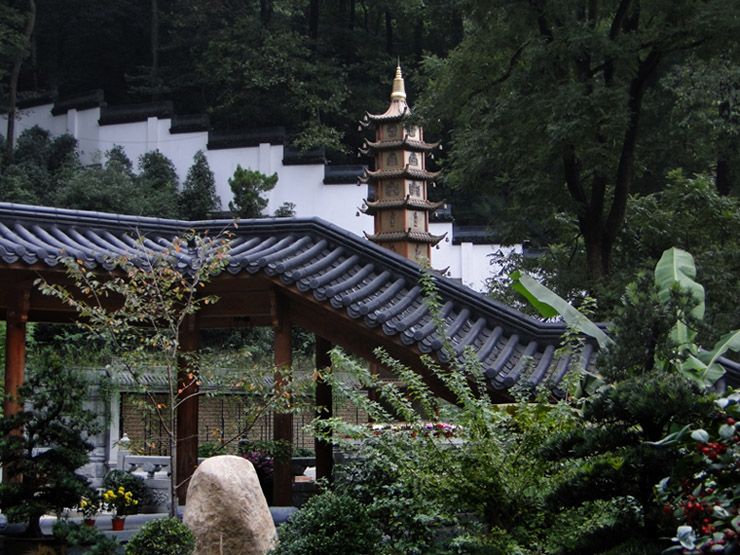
<point x="226" y="509"/>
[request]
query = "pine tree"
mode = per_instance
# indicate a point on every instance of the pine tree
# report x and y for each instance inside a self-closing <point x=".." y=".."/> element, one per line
<point x="198" y="199"/>
<point x="158" y="182"/>
<point x="248" y="186"/>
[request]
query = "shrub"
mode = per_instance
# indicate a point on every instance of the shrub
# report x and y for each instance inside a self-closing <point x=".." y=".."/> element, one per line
<point x="129" y="482"/>
<point x="53" y="446"/>
<point x="704" y="494"/>
<point x="75" y="535"/>
<point x="164" y="536"/>
<point x="207" y="450"/>
<point x="329" y="523"/>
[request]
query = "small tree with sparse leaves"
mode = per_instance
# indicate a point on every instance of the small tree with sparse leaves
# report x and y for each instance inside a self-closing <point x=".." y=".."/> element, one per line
<point x="156" y="297"/>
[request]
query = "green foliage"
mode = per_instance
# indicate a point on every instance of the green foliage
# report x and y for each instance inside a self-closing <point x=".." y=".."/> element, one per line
<point x="549" y="305"/>
<point x="329" y="523"/>
<point x="76" y="535"/>
<point x="285" y="210"/>
<point x="54" y="443"/>
<point x="158" y="182"/>
<point x="702" y="494"/>
<point x="198" y="199"/>
<point x="691" y="215"/>
<point x="110" y="187"/>
<point x="247" y="187"/>
<point x="164" y="536"/>
<point x="612" y="460"/>
<point x="209" y="449"/>
<point x="40" y="166"/>
<point x="459" y="476"/>
<point x="158" y="297"/>
<point x="115" y="479"/>
<point x="555" y="121"/>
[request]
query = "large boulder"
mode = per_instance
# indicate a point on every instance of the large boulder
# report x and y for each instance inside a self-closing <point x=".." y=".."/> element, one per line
<point x="226" y="509"/>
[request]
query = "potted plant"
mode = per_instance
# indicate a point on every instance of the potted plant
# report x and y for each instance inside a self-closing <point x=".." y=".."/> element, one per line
<point x="121" y="503"/>
<point x="114" y="479"/>
<point x="89" y="506"/>
<point x="43" y="444"/>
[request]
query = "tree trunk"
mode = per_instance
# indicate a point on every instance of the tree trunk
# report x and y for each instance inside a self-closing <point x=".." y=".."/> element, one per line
<point x="313" y="19"/>
<point x="723" y="180"/>
<point x="598" y="256"/>
<point x="14" y="76"/>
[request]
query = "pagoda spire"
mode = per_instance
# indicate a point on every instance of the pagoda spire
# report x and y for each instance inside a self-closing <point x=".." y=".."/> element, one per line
<point x="399" y="89"/>
<point x="399" y="181"/>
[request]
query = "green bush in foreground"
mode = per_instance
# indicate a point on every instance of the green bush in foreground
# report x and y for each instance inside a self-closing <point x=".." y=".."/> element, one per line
<point x="329" y="523"/>
<point x="164" y="536"/>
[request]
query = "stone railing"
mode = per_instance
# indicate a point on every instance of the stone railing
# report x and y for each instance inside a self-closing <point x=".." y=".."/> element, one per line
<point x="155" y="471"/>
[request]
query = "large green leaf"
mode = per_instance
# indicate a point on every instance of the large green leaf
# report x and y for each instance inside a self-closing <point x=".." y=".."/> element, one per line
<point x="704" y="374"/>
<point x="676" y="266"/>
<point x="705" y="367"/>
<point x="551" y="304"/>
<point x="542" y="307"/>
<point x="728" y="342"/>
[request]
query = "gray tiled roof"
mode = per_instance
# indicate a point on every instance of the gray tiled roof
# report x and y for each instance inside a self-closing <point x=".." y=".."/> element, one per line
<point x="337" y="270"/>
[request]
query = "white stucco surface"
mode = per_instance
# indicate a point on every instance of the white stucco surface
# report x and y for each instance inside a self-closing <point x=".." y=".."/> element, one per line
<point x="302" y="185"/>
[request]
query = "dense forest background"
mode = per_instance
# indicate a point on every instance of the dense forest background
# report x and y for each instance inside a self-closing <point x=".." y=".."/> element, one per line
<point x="314" y="66"/>
<point x="601" y="133"/>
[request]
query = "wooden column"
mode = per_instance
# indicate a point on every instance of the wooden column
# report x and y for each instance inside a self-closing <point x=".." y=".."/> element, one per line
<point x="282" y="493"/>
<point x="324" y="449"/>
<point x="187" y="411"/>
<point x="15" y="357"/>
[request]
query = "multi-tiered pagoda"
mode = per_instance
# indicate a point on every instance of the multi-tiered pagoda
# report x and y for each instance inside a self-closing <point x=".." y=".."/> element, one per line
<point x="400" y="180"/>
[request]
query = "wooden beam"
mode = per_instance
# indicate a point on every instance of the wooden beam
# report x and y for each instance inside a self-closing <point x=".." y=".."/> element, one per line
<point x="187" y="411"/>
<point x="324" y="449"/>
<point x="282" y="494"/>
<point x="15" y="357"/>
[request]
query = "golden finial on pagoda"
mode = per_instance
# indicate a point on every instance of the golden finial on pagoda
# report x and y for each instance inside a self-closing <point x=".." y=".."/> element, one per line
<point x="399" y="91"/>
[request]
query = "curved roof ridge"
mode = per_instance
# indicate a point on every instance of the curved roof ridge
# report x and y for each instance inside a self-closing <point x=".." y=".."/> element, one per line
<point x="328" y="265"/>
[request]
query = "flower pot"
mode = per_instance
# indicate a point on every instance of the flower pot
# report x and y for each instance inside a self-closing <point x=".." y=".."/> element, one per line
<point x="117" y="523"/>
<point x="89" y="521"/>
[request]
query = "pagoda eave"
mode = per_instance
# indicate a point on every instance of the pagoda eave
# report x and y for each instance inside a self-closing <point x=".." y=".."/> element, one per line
<point x="397" y="111"/>
<point x="371" y="207"/>
<point x="405" y="173"/>
<point x="408" y="144"/>
<point x="423" y="237"/>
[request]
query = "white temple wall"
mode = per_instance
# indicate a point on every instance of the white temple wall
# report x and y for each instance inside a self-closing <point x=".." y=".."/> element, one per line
<point x="303" y="185"/>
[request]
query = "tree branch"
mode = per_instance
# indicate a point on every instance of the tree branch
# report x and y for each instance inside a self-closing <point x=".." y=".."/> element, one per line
<point x="626" y="165"/>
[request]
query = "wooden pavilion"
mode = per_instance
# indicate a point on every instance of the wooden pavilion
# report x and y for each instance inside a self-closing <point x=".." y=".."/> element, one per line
<point x="281" y="273"/>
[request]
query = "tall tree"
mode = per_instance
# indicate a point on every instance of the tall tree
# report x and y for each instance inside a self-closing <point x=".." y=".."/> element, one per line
<point x="198" y="199"/>
<point x="547" y="101"/>
<point x="158" y="183"/>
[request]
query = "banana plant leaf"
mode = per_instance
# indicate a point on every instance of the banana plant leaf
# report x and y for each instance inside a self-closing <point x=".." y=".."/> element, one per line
<point x="550" y="304"/>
